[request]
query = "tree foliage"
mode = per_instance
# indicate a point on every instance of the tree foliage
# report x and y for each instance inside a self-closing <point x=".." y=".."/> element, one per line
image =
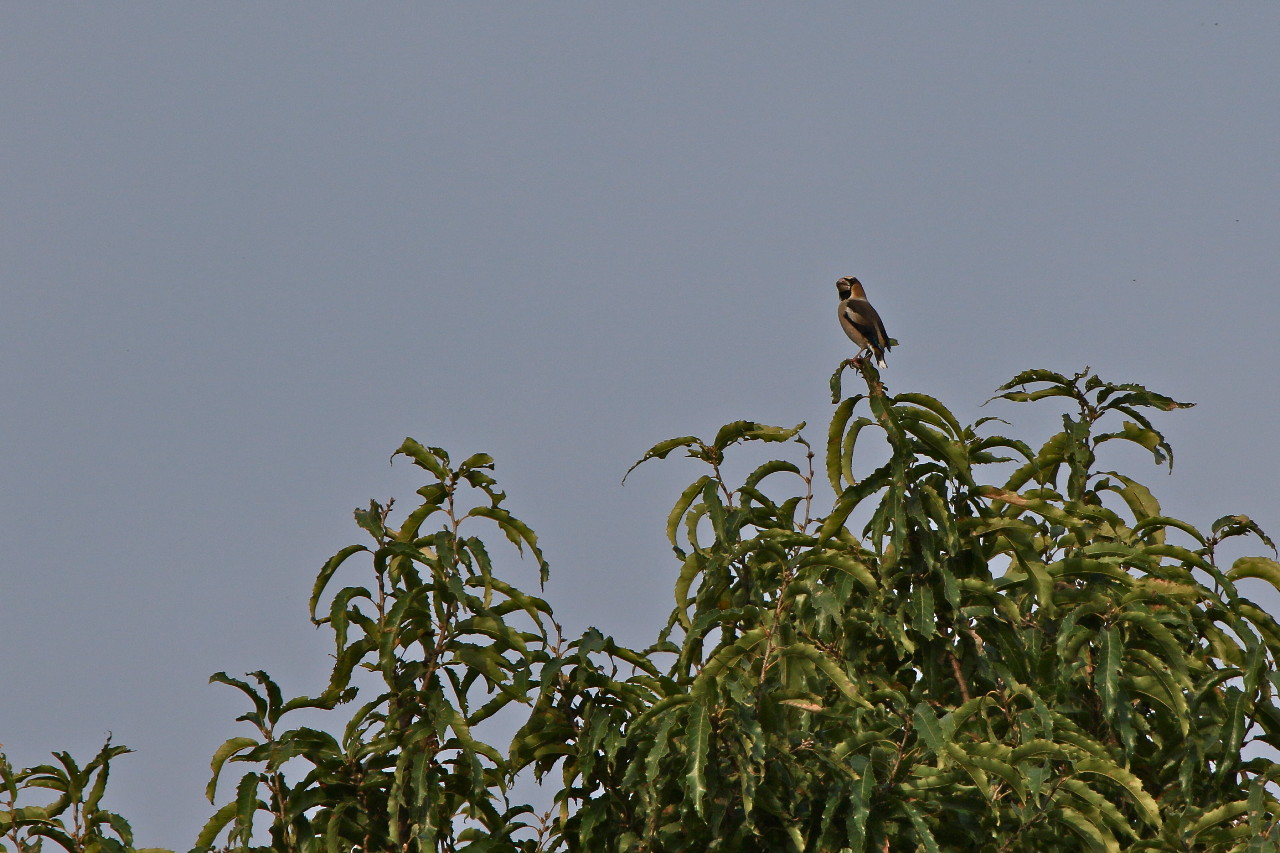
<point x="75" y="820"/>
<point x="976" y="645"/>
<point x="1028" y="665"/>
<point x="437" y="632"/>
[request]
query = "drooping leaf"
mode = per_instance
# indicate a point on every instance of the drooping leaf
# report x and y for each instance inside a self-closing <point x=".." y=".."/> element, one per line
<point x="660" y="451"/>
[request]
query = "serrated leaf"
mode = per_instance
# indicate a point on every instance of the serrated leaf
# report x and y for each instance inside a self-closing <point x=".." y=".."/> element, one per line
<point x="1239" y="525"/>
<point x="838" y="677"/>
<point x="930" y="728"/>
<point x="1036" y="375"/>
<point x="660" y="451"/>
<point x="432" y="459"/>
<point x="1106" y="674"/>
<point x="1256" y="567"/>
<point x="1215" y="817"/>
<point x="228" y="748"/>
<point x="835" y="381"/>
<point x="698" y="743"/>
<point x="732" y="433"/>
<point x="1141" y="436"/>
<point x="923" y="835"/>
<point x="1147" y="807"/>
<point x="835" y="439"/>
<point x="326" y="573"/>
<point x="849" y="500"/>
<point x="1083" y="827"/>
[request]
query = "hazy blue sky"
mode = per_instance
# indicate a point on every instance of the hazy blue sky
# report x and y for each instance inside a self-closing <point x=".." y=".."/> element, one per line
<point x="248" y="248"/>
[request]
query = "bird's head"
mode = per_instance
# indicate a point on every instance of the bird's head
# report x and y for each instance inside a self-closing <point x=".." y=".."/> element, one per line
<point x="850" y="286"/>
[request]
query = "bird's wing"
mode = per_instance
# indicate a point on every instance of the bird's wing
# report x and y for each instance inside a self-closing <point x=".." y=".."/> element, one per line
<point x="859" y="314"/>
<point x="882" y="337"/>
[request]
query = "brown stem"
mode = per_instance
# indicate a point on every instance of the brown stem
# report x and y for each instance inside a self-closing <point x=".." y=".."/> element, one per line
<point x="955" y="668"/>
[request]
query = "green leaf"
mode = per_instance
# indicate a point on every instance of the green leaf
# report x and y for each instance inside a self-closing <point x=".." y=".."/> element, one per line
<point x="728" y="655"/>
<point x="848" y="446"/>
<point x="698" y="745"/>
<point x="247" y="805"/>
<point x="228" y="748"/>
<point x="1036" y="375"/>
<point x="849" y="500"/>
<point x="1106" y="676"/>
<point x="1215" y="817"/>
<point x="1240" y="525"/>
<point x="1147" y="807"/>
<point x="1140" y="396"/>
<point x="1256" y="567"/>
<point x="775" y="466"/>
<point x="1148" y="438"/>
<point x="1100" y="807"/>
<point x="929" y="728"/>
<point x="660" y="451"/>
<point x="432" y="459"/>
<point x="951" y="453"/>
<point x="991" y="766"/>
<point x="517" y="532"/>
<point x="835" y="381"/>
<point x="839" y="678"/>
<point x="1137" y="497"/>
<point x="732" y="433"/>
<point x="716" y="511"/>
<point x="1088" y="832"/>
<point x="326" y="573"/>
<point x="835" y="438"/>
<point x="933" y="405"/>
<point x="923" y="835"/>
<point x="214" y="826"/>
<point x="686" y="499"/>
<point x="1173" y="656"/>
<point x="843" y="562"/>
<point x="259" y="703"/>
<point x="475" y="461"/>
<point x="1232" y="732"/>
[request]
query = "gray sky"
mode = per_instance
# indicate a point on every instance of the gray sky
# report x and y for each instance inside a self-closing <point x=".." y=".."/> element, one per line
<point x="249" y="248"/>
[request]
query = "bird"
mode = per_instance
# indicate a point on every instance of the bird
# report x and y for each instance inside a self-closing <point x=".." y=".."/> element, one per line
<point x="860" y="321"/>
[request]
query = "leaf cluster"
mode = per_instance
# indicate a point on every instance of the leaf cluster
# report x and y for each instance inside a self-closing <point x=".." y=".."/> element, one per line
<point x="442" y="644"/>
<point x="977" y="645"/>
<point x="1024" y="664"/>
<point x="75" y="820"/>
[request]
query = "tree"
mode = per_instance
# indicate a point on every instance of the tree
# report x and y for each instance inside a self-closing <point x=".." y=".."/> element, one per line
<point x="977" y="645"/>
<point x="75" y="820"/>
<point x="437" y="632"/>
<point x="1028" y="666"/>
<point x="1025" y="666"/>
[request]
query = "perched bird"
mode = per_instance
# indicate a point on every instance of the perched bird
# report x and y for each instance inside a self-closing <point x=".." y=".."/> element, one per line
<point x="860" y="321"/>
